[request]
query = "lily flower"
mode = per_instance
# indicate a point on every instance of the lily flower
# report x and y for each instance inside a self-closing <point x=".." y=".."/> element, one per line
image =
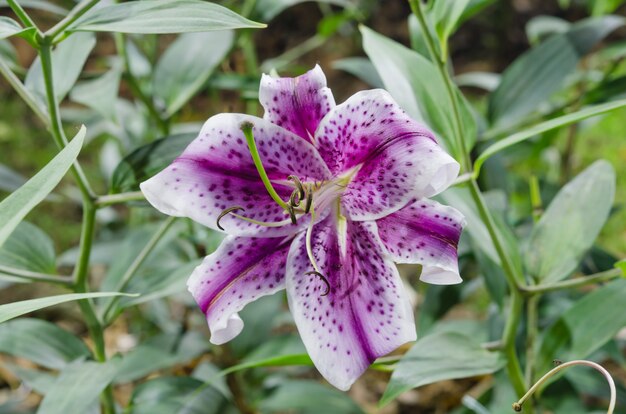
<point x="318" y="199"/>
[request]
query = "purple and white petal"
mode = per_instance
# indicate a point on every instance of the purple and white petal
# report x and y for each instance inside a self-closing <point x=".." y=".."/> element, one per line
<point x="216" y="171"/>
<point x="391" y="157"/>
<point x="240" y="271"/>
<point x="297" y="104"/>
<point x="366" y="313"/>
<point x="427" y="233"/>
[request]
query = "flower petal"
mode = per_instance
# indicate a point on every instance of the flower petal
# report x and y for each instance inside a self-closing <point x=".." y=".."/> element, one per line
<point x="297" y="104"/>
<point x="427" y="233"/>
<point x="366" y="313"/>
<point x="240" y="271"/>
<point x="216" y="171"/>
<point x="395" y="158"/>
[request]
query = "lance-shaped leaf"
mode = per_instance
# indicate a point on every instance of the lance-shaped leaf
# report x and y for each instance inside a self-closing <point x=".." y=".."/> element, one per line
<point x="162" y="16"/>
<point x="78" y="387"/>
<point x="186" y="66"/>
<point x="147" y="160"/>
<point x="308" y="397"/>
<point x="585" y="327"/>
<point x="571" y="223"/>
<point x="19" y="203"/>
<point x="41" y="342"/>
<point x="545" y="127"/>
<point x="167" y="395"/>
<point x="543" y="70"/>
<point x="29" y="248"/>
<point x="438" y="357"/>
<point x="68" y="60"/>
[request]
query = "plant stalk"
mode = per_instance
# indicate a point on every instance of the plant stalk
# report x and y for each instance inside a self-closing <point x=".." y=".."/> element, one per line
<point x="80" y="9"/>
<point x="605" y="276"/>
<point x="36" y="276"/>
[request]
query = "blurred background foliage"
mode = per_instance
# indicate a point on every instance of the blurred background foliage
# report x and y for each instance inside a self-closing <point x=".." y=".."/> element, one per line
<point x="517" y="62"/>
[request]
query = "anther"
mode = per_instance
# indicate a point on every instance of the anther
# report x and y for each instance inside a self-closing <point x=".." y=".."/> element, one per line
<point x="294" y="199"/>
<point x="556" y="362"/>
<point x="292" y="214"/>
<point x="321" y="276"/>
<point x="517" y="407"/>
<point x="225" y="212"/>
<point x="309" y="201"/>
<point x="298" y="184"/>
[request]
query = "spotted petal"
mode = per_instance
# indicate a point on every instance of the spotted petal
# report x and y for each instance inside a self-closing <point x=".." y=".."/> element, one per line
<point x="427" y="233"/>
<point x="216" y="171"/>
<point x="391" y="157"/>
<point x="297" y="104"/>
<point x="366" y="313"/>
<point x="240" y="271"/>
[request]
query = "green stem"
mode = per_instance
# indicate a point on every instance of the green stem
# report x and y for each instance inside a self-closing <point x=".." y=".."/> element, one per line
<point x="416" y="7"/>
<point x="21" y="13"/>
<point x="82" y="8"/>
<point x="56" y="125"/>
<point x="516" y="304"/>
<point x="24" y="93"/>
<point x="107" y="200"/>
<point x="531" y="335"/>
<point x="81" y="285"/>
<point x="135" y="265"/>
<point x="246" y="128"/>
<point x="35" y="276"/>
<point x="572" y="283"/>
<point x="133" y="84"/>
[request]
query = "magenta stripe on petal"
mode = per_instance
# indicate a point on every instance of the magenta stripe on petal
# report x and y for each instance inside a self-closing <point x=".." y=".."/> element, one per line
<point x="240" y="271"/>
<point x="427" y="233"/>
<point x="366" y="313"/>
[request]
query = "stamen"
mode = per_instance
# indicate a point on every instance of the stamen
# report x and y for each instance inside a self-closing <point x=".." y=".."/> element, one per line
<point x="225" y="212"/>
<point x="298" y="185"/>
<point x="309" y="200"/>
<point x="246" y="128"/>
<point x="262" y="223"/>
<point x="321" y="276"/>
<point x="292" y="214"/>
<point x="294" y="199"/>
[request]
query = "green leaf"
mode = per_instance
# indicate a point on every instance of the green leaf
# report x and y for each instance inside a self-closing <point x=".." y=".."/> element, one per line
<point x="162" y="16"/>
<point x="446" y="16"/>
<point x="571" y="224"/>
<point x="40" y="5"/>
<point x="155" y="285"/>
<point x="19" y="203"/>
<point x="308" y="397"/>
<point x="543" y="70"/>
<point x="544" y="127"/>
<point x="158" y="353"/>
<point x="417" y="86"/>
<point x="148" y="160"/>
<point x="439" y="357"/>
<point x="29" y="248"/>
<point x="9" y="179"/>
<point x="78" y="387"/>
<point x="540" y="27"/>
<point x="360" y="67"/>
<point x="9" y="27"/>
<point x="268" y="9"/>
<point x="41" y="342"/>
<point x="100" y="94"/>
<point x="186" y="66"/>
<point x="583" y="328"/>
<point x="35" y="379"/>
<point x="176" y="395"/>
<point x="15" y="309"/>
<point x="68" y="60"/>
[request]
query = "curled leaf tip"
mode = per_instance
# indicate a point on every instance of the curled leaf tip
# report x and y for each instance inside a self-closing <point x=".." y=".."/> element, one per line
<point x="225" y="212"/>
<point x="321" y="276"/>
